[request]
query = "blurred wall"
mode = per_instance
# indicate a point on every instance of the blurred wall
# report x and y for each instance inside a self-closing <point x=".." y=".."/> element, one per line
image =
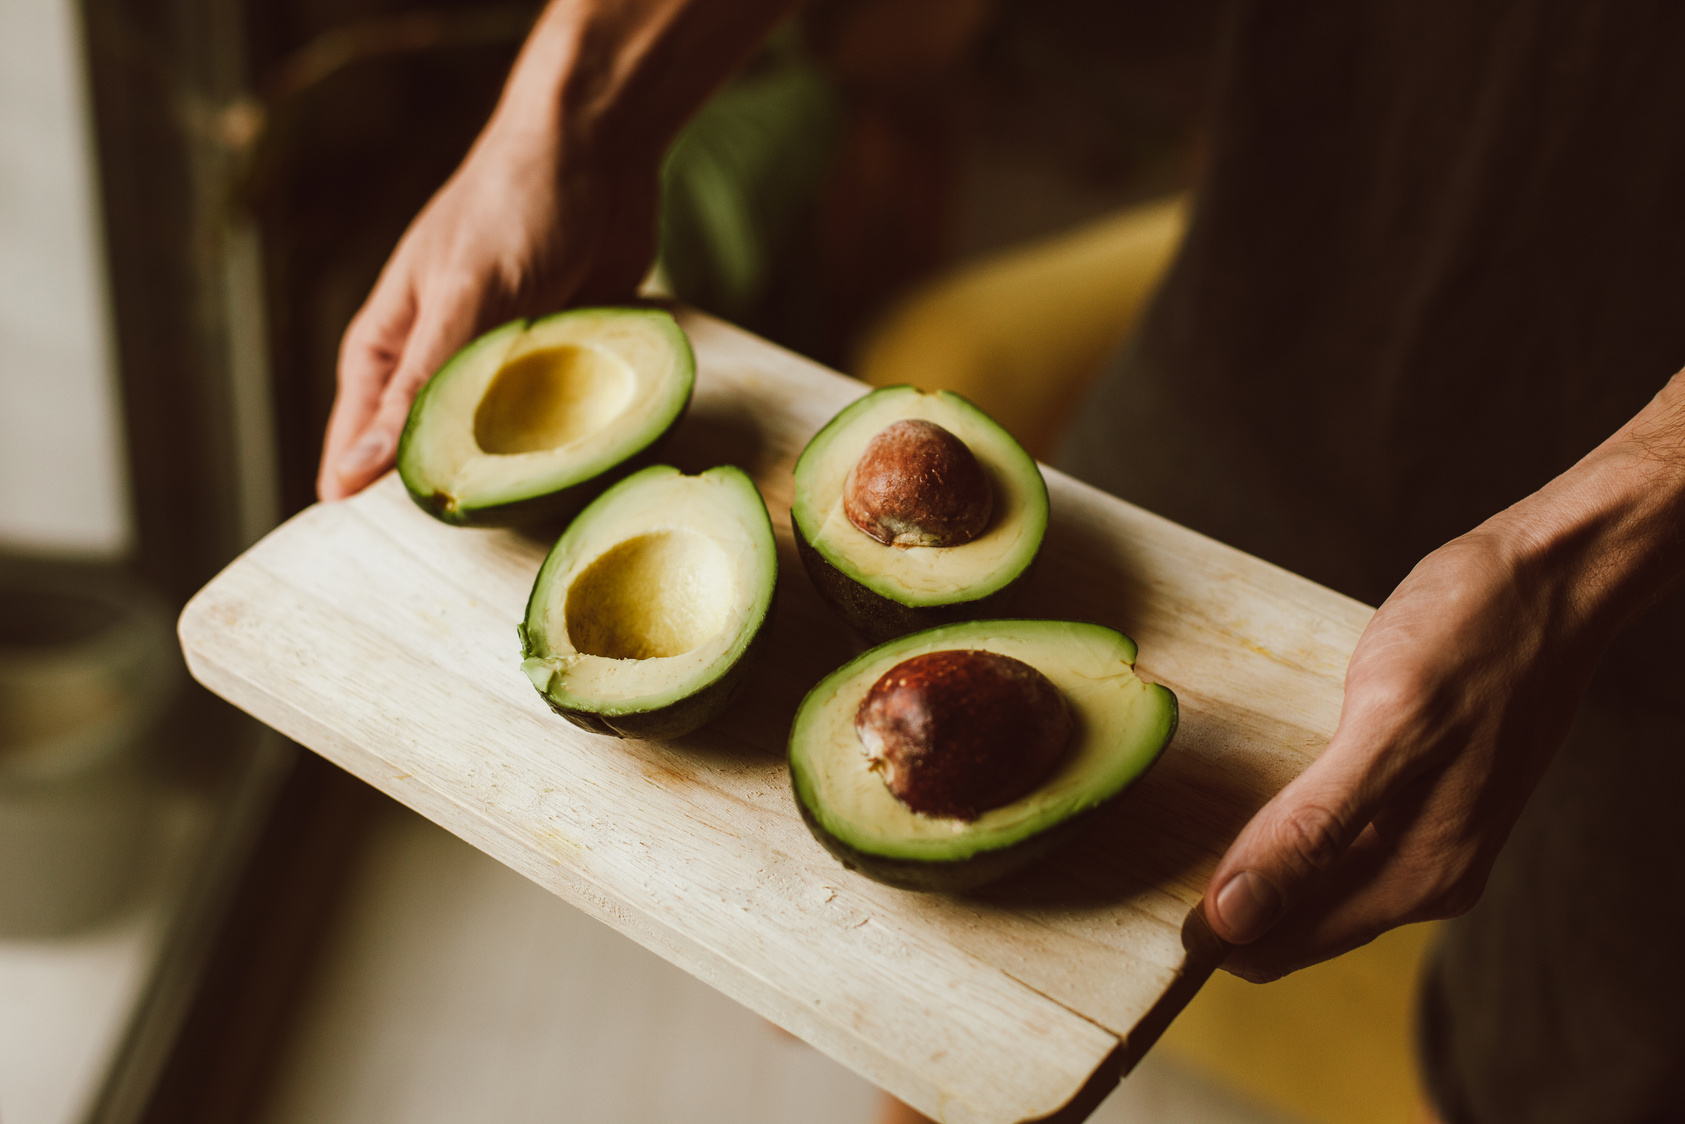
<point x="63" y="478"/>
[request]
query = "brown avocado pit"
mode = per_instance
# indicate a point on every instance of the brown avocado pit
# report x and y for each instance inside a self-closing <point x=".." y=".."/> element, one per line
<point x="956" y="733"/>
<point x="918" y="485"/>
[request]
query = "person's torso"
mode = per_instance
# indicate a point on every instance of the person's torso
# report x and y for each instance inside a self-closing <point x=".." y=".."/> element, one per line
<point x="1438" y="255"/>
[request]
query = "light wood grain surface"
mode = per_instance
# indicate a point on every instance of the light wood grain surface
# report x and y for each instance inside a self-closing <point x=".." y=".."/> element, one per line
<point x="386" y="641"/>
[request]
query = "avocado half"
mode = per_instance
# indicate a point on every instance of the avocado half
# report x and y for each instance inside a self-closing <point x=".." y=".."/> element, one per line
<point x="886" y="591"/>
<point x="649" y="609"/>
<point x="1121" y="727"/>
<point x="531" y="420"/>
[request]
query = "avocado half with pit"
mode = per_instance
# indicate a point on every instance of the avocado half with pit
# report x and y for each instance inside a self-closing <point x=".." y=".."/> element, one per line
<point x="649" y="609"/>
<point x="907" y="439"/>
<point x="531" y="420"/>
<point x="1117" y="726"/>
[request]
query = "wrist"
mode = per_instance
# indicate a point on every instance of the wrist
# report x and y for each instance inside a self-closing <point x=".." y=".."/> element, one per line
<point x="1606" y="538"/>
<point x="609" y="83"/>
<point x="531" y="116"/>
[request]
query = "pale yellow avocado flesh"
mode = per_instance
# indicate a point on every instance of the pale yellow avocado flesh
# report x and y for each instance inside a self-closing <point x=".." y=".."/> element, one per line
<point x="923" y="575"/>
<point x="653" y="596"/>
<point x="534" y="408"/>
<point x="656" y="588"/>
<point x="1121" y="725"/>
<point x="550" y="398"/>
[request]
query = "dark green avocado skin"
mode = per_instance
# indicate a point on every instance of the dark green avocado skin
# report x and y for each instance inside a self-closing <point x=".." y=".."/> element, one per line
<point x="549" y="507"/>
<point x="680" y="718"/>
<point x="877" y="618"/>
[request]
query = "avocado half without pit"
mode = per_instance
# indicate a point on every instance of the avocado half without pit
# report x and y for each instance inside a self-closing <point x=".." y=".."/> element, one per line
<point x="952" y="757"/>
<point x="648" y="610"/>
<point x="531" y="420"/>
<point x="914" y="509"/>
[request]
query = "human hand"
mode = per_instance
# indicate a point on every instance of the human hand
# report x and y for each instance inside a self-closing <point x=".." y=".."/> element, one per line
<point x="1458" y="693"/>
<point x="519" y="229"/>
<point x="555" y="203"/>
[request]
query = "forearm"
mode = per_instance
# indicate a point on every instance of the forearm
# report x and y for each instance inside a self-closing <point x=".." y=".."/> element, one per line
<point x="1609" y="532"/>
<point x="614" y="80"/>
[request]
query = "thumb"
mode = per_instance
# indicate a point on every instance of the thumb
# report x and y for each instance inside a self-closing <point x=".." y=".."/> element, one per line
<point x="1299" y="836"/>
<point x="439" y="331"/>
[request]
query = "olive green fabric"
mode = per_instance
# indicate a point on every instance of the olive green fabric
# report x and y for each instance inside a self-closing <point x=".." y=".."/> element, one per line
<point x="1437" y="255"/>
<point x="739" y="179"/>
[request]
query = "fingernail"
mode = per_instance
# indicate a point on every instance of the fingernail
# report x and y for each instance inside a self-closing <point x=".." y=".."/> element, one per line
<point x="1248" y="904"/>
<point x="372" y="450"/>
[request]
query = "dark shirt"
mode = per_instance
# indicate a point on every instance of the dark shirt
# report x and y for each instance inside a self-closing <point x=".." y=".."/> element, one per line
<point x="1438" y="254"/>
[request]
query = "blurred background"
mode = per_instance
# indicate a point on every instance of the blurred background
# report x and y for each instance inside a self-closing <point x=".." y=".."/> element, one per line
<point x="198" y="921"/>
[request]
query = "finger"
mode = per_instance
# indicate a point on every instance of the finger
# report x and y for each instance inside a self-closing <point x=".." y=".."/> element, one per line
<point x="1333" y="914"/>
<point x="1415" y="861"/>
<point x="1305" y="831"/>
<point x="440" y="329"/>
<point x="1377" y="889"/>
<point x="368" y="355"/>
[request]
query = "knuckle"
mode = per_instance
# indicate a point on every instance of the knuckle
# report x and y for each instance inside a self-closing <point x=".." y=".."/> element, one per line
<point x="405" y="385"/>
<point x="458" y="283"/>
<point x="1311" y="834"/>
<point x="364" y="354"/>
<point x="1400" y="695"/>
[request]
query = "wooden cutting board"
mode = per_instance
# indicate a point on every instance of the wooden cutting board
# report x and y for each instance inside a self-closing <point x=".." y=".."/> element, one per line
<point x="385" y="641"/>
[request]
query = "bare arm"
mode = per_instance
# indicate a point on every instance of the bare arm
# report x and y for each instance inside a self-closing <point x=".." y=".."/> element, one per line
<point x="555" y="203"/>
<point x="1459" y="692"/>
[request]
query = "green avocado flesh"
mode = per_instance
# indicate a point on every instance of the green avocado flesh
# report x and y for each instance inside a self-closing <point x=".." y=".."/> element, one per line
<point x="644" y="617"/>
<point x="1121" y="726"/>
<point x="533" y="419"/>
<point x="886" y="591"/>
